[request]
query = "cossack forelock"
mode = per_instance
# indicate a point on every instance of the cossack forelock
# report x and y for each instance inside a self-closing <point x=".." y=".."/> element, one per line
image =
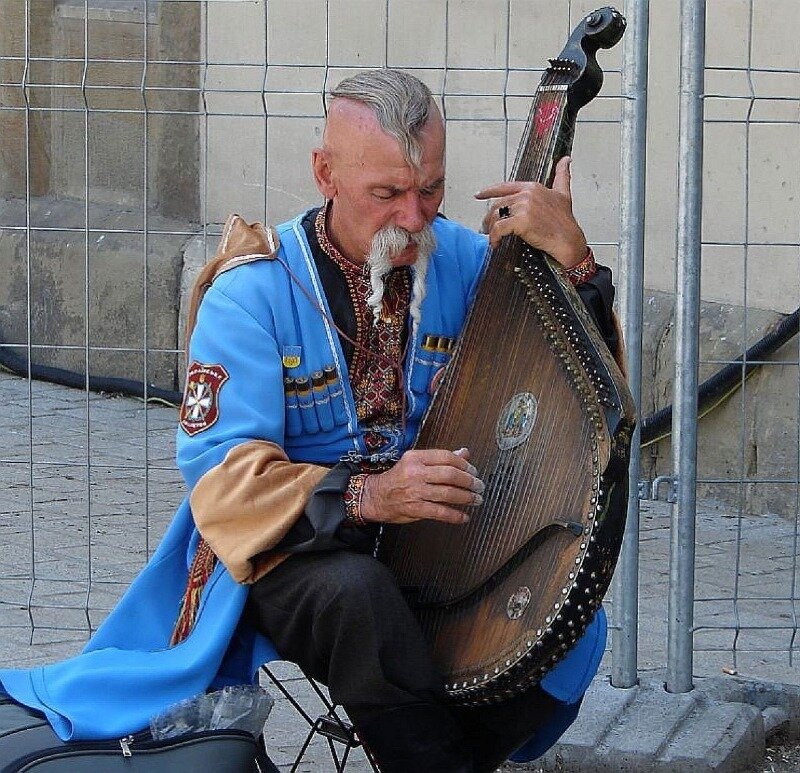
<point x="401" y="103"/>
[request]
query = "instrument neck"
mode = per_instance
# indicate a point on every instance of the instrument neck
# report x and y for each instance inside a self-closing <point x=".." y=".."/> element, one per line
<point x="548" y="135"/>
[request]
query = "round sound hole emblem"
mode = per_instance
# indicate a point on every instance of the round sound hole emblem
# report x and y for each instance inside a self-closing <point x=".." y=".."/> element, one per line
<point x="516" y="421"/>
<point x="518" y="602"/>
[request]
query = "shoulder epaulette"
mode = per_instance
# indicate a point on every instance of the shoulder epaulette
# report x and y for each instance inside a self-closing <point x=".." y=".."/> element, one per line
<point x="240" y="243"/>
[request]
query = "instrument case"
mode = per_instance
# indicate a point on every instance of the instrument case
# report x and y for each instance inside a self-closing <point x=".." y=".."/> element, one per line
<point x="28" y="743"/>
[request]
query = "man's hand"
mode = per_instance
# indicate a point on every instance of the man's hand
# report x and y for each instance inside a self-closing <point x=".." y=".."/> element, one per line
<point x="423" y="484"/>
<point x="541" y="216"/>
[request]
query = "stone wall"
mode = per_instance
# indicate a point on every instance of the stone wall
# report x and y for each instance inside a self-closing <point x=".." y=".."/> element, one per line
<point x="752" y="434"/>
<point x="231" y="119"/>
<point x="98" y="292"/>
<point x="126" y="168"/>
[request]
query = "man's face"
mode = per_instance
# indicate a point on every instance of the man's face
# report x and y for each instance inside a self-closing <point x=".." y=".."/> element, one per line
<point x="364" y="172"/>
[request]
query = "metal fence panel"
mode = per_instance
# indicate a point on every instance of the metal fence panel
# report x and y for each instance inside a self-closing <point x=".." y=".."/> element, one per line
<point x="129" y="130"/>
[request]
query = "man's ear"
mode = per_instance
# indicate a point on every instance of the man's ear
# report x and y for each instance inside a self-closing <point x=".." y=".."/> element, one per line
<point x="320" y="164"/>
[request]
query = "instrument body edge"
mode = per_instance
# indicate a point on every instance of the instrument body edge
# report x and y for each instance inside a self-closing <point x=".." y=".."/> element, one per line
<point x="536" y="396"/>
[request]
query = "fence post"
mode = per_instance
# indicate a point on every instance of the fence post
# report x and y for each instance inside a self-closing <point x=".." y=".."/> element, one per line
<point x="687" y="318"/>
<point x="624" y="672"/>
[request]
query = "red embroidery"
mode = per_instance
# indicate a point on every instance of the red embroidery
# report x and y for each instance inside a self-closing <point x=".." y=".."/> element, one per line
<point x="200" y="406"/>
<point x="376" y="388"/>
<point x="202" y="566"/>
<point x="546" y="114"/>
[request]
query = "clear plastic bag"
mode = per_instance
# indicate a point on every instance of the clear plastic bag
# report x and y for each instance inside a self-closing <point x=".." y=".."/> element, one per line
<point x="241" y="707"/>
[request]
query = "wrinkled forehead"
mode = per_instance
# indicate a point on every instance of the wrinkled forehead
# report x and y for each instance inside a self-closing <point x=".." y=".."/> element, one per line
<point x="354" y="136"/>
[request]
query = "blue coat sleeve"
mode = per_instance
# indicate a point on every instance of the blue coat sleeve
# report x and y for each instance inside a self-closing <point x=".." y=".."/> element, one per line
<point x="249" y="404"/>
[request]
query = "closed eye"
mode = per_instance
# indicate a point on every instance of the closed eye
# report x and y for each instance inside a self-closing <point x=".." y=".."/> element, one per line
<point x="385" y="194"/>
<point x="433" y="188"/>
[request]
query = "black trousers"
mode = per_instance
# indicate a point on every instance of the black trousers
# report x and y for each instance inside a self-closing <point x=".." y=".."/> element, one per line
<point x="342" y="619"/>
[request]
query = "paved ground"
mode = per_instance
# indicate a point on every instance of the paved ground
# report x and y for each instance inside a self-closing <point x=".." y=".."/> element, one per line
<point x="74" y="535"/>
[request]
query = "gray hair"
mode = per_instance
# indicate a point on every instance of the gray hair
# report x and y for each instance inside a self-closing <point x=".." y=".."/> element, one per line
<point x="401" y="103"/>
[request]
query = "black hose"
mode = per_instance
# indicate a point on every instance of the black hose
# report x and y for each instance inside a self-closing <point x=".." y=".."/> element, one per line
<point x="18" y="365"/>
<point x="726" y="380"/>
<point x="656" y="426"/>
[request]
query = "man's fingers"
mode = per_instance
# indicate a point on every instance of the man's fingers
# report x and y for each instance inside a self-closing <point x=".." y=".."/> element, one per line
<point x="562" y="180"/>
<point x="435" y="457"/>
<point x="436" y="512"/>
<point x="501" y="226"/>
<point x="450" y="476"/>
<point x="500" y="189"/>
<point x="428" y="484"/>
<point x="499" y="209"/>
<point x="452" y="495"/>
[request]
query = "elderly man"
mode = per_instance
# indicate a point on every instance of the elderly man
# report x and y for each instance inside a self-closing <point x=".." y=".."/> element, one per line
<point x="298" y="414"/>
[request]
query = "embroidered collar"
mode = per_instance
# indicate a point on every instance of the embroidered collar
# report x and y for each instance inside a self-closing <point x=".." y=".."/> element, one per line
<point x="321" y="229"/>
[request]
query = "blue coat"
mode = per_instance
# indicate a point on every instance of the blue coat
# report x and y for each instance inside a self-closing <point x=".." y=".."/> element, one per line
<point x="260" y="323"/>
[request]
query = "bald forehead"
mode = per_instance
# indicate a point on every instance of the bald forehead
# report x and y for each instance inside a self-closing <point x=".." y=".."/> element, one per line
<point x="352" y="127"/>
<point x="350" y="115"/>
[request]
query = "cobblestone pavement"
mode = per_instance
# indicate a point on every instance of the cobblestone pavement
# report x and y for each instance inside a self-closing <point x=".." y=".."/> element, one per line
<point x="75" y="533"/>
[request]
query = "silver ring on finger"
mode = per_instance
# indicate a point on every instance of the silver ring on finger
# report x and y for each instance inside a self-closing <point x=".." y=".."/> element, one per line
<point x="504" y="212"/>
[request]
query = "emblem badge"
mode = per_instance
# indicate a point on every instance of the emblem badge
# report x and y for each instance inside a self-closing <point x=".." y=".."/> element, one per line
<point x="291" y="356"/>
<point x="200" y="406"/>
<point x="516" y="421"/>
<point x="518" y="602"/>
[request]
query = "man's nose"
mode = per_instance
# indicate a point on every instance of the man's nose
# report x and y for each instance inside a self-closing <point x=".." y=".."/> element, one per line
<point x="411" y="216"/>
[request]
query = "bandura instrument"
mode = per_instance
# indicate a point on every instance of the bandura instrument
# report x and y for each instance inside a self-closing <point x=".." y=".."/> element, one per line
<point x="533" y="392"/>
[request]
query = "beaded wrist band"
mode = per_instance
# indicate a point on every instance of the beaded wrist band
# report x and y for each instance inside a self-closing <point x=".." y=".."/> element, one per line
<point x="583" y="271"/>
<point x="352" y="500"/>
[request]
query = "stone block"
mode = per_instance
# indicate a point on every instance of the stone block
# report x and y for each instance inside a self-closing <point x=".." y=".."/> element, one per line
<point x="536" y="32"/>
<point x="773" y="218"/>
<point x="417" y="33"/>
<point x="724" y="180"/>
<point x="238" y="165"/>
<point x="646" y="725"/>
<point x="762" y="694"/>
<point x="357" y="33"/>
<point x="775" y="33"/>
<point x="592" y="727"/>
<point x="752" y="433"/>
<point x="241" y="22"/>
<point x="475" y="154"/>
<point x="291" y="187"/>
<point x="284" y="45"/>
<point x="477" y="33"/>
<point x="645" y="729"/>
<point x="106" y="320"/>
<point x="718" y="738"/>
<point x="729" y="49"/>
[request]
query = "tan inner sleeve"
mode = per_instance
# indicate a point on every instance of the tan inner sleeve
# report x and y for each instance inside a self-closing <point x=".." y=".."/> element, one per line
<point x="246" y="504"/>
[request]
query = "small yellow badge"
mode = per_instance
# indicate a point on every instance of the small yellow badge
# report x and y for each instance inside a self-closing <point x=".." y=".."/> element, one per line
<point x="291" y="356"/>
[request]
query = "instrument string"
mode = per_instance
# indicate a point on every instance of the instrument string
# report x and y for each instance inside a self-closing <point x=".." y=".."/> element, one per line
<point x="532" y="162"/>
<point x="500" y="526"/>
<point x="511" y="485"/>
<point x="502" y="494"/>
<point x="514" y="484"/>
<point x="519" y="490"/>
<point x="495" y="508"/>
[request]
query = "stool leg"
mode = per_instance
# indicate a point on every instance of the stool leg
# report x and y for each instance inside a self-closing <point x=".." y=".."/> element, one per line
<point x="330" y="726"/>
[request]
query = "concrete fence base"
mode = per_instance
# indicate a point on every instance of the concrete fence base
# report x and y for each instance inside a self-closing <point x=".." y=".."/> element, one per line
<point x="720" y="726"/>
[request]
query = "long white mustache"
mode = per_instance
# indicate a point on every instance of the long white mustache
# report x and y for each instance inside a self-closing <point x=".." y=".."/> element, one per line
<point x="391" y="241"/>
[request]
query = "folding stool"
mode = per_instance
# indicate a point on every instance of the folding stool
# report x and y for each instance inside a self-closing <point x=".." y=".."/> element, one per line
<point x="339" y="733"/>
